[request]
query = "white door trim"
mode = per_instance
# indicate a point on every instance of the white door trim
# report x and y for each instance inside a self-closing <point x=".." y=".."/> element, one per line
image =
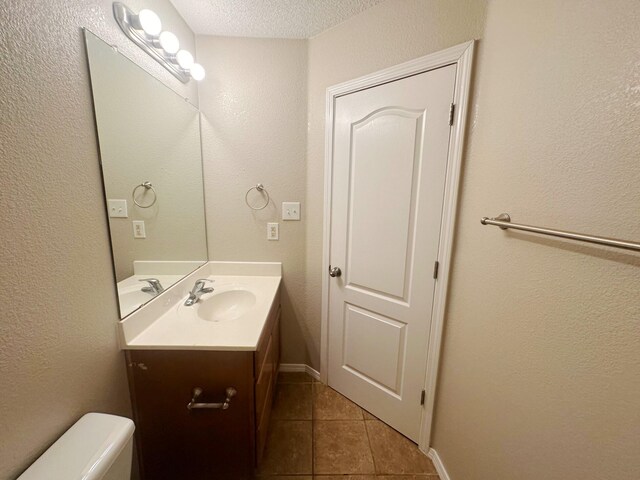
<point x="462" y="56"/>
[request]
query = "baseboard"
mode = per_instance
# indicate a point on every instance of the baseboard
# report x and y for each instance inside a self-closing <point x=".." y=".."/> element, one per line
<point x="299" y="367"/>
<point x="442" y="472"/>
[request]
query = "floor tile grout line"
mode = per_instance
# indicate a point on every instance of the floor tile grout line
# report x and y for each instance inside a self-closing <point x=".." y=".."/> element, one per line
<point x="373" y="458"/>
<point x="313" y="450"/>
<point x="313" y="432"/>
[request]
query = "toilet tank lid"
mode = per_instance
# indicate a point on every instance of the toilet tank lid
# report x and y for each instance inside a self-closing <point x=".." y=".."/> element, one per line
<point x="86" y="451"/>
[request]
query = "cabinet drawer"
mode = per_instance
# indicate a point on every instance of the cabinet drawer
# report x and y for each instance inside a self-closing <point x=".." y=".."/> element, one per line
<point x="263" y="425"/>
<point x="265" y="389"/>
<point x="276" y="351"/>
<point x="265" y="381"/>
<point x="261" y="351"/>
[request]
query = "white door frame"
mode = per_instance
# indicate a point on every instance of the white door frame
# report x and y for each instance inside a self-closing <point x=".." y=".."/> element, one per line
<point x="462" y="56"/>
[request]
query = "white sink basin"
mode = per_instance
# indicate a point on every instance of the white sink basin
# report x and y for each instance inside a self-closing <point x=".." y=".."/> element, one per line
<point x="223" y="306"/>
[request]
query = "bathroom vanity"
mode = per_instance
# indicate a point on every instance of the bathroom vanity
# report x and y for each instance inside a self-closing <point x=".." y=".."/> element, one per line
<point x="201" y="338"/>
<point x="202" y="378"/>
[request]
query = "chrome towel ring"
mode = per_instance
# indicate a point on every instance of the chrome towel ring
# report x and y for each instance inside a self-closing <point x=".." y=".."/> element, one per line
<point x="260" y="188"/>
<point x="147" y="186"/>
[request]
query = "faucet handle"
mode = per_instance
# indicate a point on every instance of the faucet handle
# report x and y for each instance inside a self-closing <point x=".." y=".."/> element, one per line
<point x="154" y="286"/>
<point x="154" y="282"/>
<point x="199" y="285"/>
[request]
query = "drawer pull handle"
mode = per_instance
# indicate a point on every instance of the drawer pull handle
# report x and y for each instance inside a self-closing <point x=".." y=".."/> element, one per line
<point x="197" y="392"/>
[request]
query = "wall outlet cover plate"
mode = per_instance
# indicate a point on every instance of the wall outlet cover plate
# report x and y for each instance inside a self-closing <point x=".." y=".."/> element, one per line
<point x="138" y="229"/>
<point x="272" y="231"/>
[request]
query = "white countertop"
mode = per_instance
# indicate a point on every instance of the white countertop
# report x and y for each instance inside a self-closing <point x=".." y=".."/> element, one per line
<point x="232" y="317"/>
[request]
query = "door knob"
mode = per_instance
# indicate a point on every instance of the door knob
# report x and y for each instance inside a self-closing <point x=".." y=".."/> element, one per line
<point x="335" y="271"/>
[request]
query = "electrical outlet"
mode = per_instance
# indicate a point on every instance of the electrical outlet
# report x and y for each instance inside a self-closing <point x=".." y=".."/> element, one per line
<point x="138" y="229"/>
<point x="272" y="231"/>
<point x="117" y="208"/>
<point x="290" y="210"/>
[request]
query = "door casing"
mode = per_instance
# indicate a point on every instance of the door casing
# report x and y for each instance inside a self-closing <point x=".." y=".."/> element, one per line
<point x="462" y="56"/>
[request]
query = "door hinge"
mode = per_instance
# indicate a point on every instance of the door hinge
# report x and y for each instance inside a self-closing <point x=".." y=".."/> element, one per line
<point x="422" y="395"/>
<point x="452" y="110"/>
<point x="436" y="266"/>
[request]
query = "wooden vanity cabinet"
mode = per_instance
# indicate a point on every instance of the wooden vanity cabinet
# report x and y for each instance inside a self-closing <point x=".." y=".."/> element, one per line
<point x="175" y="443"/>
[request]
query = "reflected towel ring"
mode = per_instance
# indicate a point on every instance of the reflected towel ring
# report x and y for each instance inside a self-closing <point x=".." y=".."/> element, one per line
<point x="260" y="188"/>
<point x="147" y="186"/>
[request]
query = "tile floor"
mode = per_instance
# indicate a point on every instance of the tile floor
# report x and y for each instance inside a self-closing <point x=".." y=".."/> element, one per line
<point x="317" y="434"/>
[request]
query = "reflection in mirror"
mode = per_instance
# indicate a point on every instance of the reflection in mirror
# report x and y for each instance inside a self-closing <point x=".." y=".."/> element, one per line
<point x="152" y="171"/>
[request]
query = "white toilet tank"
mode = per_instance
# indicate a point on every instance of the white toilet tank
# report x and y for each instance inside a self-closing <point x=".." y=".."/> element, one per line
<point x="96" y="447"/>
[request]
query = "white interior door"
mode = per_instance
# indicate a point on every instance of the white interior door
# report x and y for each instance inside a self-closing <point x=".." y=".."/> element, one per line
<point x="389" y="171"/>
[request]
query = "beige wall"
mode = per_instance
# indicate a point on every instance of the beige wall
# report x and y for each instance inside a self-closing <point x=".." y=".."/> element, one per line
<point x="254" y="117"/>
<point x="385" y="35"/>
<point x="540" y="372"/>
<point x="58" y="310"/>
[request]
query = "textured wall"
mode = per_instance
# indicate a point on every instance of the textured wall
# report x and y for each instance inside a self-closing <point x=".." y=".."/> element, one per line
<point x="540" y="372"/>
<point x="385" y="35"/>
<point x="58" y="311"/>
<point x="254" y="116"/>
<point x="148" y="133"/>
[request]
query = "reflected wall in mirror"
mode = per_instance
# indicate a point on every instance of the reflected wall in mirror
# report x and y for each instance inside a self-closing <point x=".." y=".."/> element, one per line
<point x="150" y="152"/>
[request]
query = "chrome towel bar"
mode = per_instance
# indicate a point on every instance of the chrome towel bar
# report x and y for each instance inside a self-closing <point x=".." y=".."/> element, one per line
<point x="504" y="222"/>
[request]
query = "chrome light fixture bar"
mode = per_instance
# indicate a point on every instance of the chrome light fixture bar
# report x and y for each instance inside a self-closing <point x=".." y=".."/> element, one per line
<point x="145" y="30"/>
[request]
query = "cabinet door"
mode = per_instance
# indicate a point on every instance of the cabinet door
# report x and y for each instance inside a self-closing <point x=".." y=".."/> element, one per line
<point x="177" y="443"/>
<point x="265" y="387"/>
<point x="276" y="351"/>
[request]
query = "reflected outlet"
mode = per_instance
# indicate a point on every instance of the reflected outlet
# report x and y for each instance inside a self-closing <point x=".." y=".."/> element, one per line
<point x="138" y="229"/>
<point x="272" y="231"/>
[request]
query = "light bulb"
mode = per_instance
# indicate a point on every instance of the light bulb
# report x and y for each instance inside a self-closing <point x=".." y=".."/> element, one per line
<point x="197" y="72"/>
<point x="169" y="43"/>
<point x="184" y="59"/>
<point x="148" y="21"/>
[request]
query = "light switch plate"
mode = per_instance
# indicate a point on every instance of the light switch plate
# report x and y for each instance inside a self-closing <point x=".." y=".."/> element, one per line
<point x="138" y="229"/>
<point x="290" y="210"/>
<point x="272" y="231"/>
<point x="117" y="208"/>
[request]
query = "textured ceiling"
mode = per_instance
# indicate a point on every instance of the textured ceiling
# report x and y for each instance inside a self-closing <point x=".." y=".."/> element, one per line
<point x="267" y="18"/>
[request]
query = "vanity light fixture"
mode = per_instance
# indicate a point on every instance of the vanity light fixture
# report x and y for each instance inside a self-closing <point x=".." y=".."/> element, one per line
<point x="145" y="30"/>
<point x="147" y="21"/>
<point x="197" y="72"/>
<point x="184" y="59"/>
<point x="169" y="43"/>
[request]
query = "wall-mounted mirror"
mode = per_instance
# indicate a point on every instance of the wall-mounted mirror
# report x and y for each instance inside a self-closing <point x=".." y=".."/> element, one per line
<point x="152" y="171"/>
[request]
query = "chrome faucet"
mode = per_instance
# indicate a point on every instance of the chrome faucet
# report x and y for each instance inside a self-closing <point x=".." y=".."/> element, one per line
<point x="154" y="288"/>
<point x="197" y="291"/>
